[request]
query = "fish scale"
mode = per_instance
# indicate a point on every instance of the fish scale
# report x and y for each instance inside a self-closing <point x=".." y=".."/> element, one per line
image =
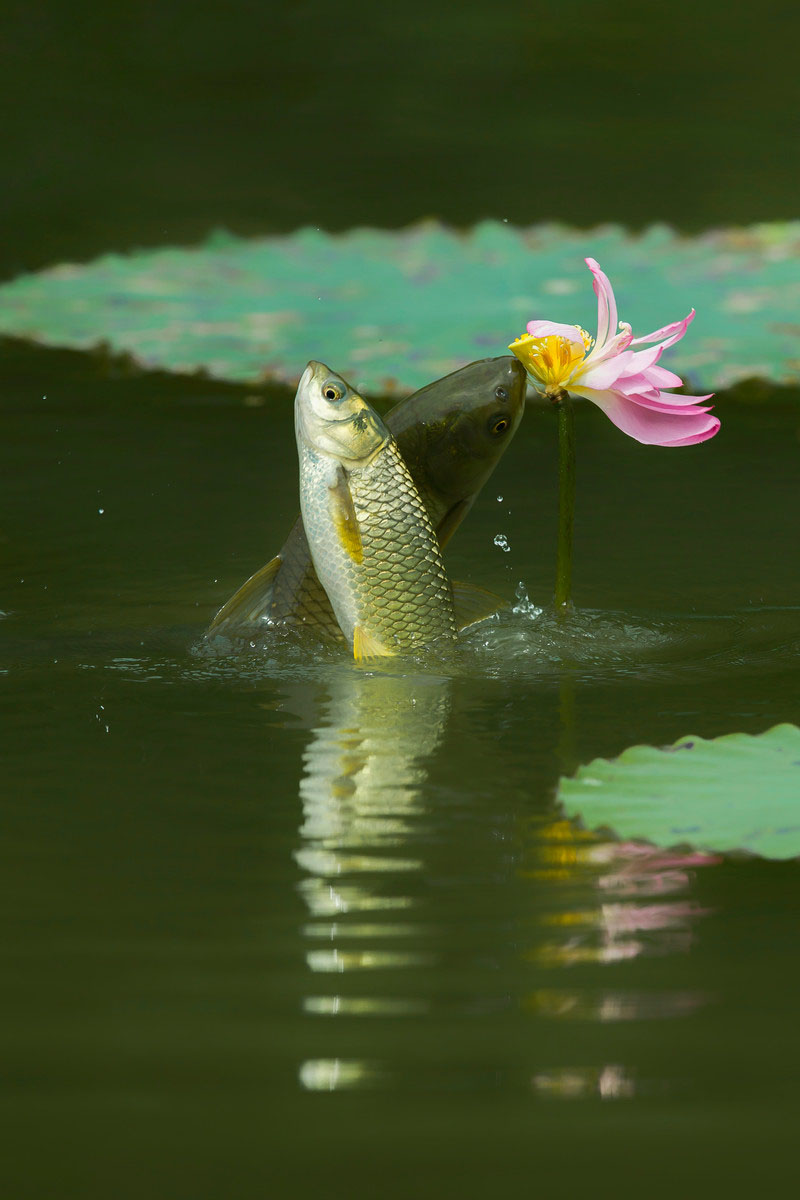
<point x="399" y="590"/>
<point x="298" y="597"/>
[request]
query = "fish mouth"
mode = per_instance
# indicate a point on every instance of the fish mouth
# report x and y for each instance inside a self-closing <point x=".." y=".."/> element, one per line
<point x="313" y="368"/>
<point x="316" y="370"/>
<point x="517" y="387"/>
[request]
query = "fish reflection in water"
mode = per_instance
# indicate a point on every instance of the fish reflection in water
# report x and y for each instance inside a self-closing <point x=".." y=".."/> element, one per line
<point x="363" y="823"/>
<point x="573" y="899"/>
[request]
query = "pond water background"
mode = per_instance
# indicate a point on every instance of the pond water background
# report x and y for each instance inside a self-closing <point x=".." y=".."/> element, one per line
<point x="149" y="124"/>
<point x="278" y="926"/>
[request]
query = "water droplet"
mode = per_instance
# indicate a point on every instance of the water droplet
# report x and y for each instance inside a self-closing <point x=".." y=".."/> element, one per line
<point x="499" y="499"/>
<point x="101" y="511"/>
<point x="525" y="606"/>
<point x="501" y="540"/>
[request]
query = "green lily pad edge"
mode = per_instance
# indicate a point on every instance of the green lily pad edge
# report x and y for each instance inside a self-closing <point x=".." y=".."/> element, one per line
<point x="393" y="309"/>
<point x="738" y="794"/>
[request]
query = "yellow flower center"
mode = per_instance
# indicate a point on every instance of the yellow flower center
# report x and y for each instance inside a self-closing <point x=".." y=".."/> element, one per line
<point x="551" y="360"/>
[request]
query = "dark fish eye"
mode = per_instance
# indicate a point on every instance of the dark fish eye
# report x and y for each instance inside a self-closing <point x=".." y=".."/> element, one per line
<point x="498" y="425"/>
<point x="501" y="393"/>
<point x="332" y="391"/>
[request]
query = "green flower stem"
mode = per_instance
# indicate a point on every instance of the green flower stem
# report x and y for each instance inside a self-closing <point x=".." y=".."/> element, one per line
<point x="566" y="501"/>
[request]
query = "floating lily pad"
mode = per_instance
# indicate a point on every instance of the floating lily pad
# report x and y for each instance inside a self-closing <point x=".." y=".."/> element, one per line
<point x="397" y="308"/>
<point x="732" y="793"/>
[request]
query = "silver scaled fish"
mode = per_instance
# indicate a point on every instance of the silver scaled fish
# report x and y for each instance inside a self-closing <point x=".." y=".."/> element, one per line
<point x="451" y="434"/>
<point x="372" y="542"/>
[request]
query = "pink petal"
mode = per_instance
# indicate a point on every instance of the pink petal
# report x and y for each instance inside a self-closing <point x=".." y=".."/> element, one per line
<point x="540" y="329"/>
<point x="662" y="405"/>
<point x="639" y="390"/>
<point x="641" y="361"/>
<point x="651" y="427"/>
<point x="620" y="365"/>
<point x="606" y="370"/>
<point x="691" y="441"/>
<point x="673" y="333"/>
<point x="663" y="378"/>
<point x="614" y="345"/>
<point x="602" y="376"/>
<point x="606" y="304"/>
<point x="687" y="400"/>
<point x="669" y="402"/>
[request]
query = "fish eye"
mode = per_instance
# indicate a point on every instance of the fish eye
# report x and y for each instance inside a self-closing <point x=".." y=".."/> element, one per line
<point x="498" y="425"/>
<point x="332" y="391"/>
<point x="501" y="393"/>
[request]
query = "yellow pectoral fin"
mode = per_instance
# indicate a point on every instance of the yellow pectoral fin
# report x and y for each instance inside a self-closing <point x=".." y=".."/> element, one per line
<point x="473" y="604"/>
<point x="345" y="520"/>
<point x="366" y="646"/>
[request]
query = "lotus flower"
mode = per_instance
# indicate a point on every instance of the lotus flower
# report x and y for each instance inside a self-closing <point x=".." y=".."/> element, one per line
<point x="626" y="383"/>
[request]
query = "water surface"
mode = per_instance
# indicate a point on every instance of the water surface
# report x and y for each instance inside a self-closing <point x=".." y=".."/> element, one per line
<point x="277" y="925"/>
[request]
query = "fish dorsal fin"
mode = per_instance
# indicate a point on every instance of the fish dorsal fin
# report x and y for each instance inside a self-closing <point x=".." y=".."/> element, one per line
<point x="251" y="602"/>
<point x="473" y="604"/>
<point x="344" y="518"/>
<point x="451" y="521"/>
<point x="366" y="646"/>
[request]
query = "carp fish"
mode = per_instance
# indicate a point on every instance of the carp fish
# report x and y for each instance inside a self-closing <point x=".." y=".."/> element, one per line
<point x="451" y="433"/>
<point x="372" y="542"/>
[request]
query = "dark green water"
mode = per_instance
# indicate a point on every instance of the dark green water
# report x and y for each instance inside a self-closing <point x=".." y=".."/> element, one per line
<point x="149" y="124"/>
<point x="276" y="926"/>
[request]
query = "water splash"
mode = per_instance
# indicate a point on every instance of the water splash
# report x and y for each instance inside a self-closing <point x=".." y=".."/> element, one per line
<point x="525" y="606"/>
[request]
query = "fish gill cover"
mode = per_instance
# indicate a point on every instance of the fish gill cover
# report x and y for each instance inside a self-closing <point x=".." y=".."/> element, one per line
<point x="394" y="309"/>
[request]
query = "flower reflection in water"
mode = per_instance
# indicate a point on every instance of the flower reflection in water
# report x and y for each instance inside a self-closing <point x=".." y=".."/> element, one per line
<point x="642" y="907"/>
<point x="610" y="1082"/>
<point x="620" y="925"/>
